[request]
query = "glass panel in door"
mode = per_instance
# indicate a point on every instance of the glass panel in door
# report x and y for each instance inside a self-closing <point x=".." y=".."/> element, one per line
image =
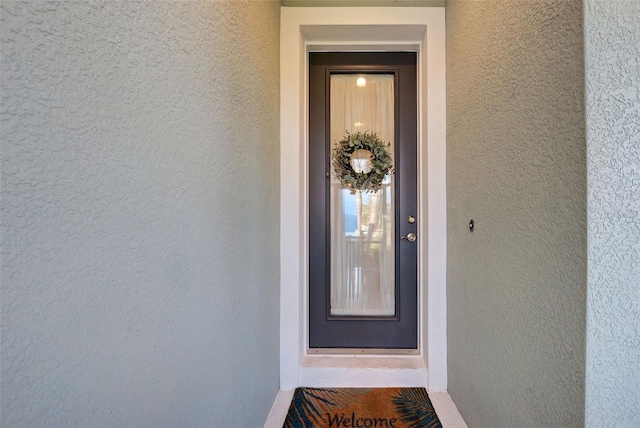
<point x="362" y="223"/>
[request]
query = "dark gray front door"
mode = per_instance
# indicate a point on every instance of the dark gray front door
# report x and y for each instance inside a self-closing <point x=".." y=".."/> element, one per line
<point x="362" y="268"/>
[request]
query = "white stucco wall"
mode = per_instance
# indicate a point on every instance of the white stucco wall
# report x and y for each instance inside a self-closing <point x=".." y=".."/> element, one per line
<point x="140" y="213"/>
<point x="612" y="47"/>
<point x="516" y="164"/>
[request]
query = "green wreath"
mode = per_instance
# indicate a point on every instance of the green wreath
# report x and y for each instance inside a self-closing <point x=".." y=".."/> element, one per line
<point x="363" y="145"/>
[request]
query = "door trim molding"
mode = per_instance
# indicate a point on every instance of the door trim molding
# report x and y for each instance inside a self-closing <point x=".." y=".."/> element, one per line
<point x="348" y="29"/>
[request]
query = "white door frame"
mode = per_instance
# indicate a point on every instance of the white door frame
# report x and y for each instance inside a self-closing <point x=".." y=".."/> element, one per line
<point x="305" y="29"/>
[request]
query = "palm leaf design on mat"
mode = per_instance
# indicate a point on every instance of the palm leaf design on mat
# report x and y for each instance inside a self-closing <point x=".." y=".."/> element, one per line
<point x="415" y="409"/>
<point x="310" y="404"/>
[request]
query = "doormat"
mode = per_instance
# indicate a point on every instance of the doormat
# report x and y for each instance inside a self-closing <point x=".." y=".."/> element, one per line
<point x="361" y="408"/>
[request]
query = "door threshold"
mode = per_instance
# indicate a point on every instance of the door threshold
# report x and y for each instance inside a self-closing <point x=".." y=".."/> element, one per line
<point x="361" y="351"/>
<point x="362" y="370"/>
<point x="362" y="361"/>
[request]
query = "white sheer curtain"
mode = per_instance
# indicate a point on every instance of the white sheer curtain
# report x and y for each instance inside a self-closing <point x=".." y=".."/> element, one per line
<point x="362" y="226"/>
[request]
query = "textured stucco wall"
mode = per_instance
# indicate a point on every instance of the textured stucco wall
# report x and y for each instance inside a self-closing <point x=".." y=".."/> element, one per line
<point x="516" y="164"/>
<point x="139" y="213"/>
<point x="612" y="48"/>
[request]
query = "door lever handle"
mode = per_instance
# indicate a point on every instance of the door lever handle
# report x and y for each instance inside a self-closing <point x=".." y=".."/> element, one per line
<point x="411" y="237"/>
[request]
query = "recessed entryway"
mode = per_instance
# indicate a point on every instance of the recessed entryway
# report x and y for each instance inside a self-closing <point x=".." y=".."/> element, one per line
<point x="420" y="30"/>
